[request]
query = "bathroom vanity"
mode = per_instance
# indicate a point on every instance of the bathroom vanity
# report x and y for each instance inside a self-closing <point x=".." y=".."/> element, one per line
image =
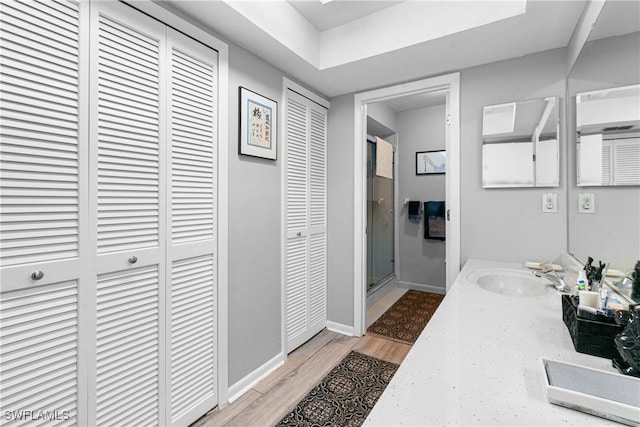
<point x="478" y="361"/>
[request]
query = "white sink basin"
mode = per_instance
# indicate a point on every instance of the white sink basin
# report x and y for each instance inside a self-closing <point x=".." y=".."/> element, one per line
<point x="515" y="283"/>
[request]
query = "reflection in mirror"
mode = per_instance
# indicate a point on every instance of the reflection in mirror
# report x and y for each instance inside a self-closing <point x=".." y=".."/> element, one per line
<point x="520" y="144"/>
<point x="610" y="58"/>
<point x="608" y="136"/>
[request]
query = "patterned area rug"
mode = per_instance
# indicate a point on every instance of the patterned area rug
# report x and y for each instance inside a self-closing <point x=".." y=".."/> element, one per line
<point x="346" y="395"/>
<point x="406" y="319"/>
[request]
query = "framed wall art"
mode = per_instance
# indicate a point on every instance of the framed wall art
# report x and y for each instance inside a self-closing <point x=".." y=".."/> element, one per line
<point x="430" y="162"/>
<point x="258" y="125"/>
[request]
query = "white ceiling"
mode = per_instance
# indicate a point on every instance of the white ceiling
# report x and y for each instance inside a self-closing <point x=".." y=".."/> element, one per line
<point x="617" y="18"/>
<point x="329" y="52"/>
<point x="338" y="12"/>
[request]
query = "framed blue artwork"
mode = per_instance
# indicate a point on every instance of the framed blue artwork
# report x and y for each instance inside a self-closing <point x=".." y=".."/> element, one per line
<point x="258" y="125"/>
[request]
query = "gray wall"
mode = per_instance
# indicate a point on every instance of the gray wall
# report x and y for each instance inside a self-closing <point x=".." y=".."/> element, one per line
<point x="254" y="229"/>
<point x="340" y="213"/>
<point x="612" y="233"/>
<point x="508" y="224"/>
<point x="496" y="224"/>
<point x="420" y="261"/>
<point x="383" y="114"/>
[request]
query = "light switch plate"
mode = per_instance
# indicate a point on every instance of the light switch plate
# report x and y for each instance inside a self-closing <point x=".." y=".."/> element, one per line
<point x="586" y="203"/>
<point x="549" y="203"/>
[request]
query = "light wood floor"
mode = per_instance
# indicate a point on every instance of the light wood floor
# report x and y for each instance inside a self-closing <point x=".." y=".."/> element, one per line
<point x="272" y="398"/>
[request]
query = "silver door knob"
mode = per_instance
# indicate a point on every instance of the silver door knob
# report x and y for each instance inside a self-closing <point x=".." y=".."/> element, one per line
<point x="299" y="233"/>
<point x="37" y="275"/>
<point x="133" y="259"/>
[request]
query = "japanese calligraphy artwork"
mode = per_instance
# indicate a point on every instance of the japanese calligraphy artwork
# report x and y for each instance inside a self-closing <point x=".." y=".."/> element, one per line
<point x="258" y="125"/>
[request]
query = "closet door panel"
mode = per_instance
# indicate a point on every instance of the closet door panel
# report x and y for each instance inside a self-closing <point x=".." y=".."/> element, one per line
<point x="193" y="347"/>
<point x="39" y="149"/>
<point x="317" y="282"/>
<point x="296" y="293"/>
<point x="193" y="131"/>
<point x="128" y="348"/>
<point x="318" y="170"/>
<point x="297" y="158"/>
<point x="317" y="219"/>
<point x="626" y="161"/>
<point x="192" y="301"/>
<point x="39" y="352"/>
<point x="40" y="212"/>
<point x="297" y="191"/>
<point x="127" y="191"/>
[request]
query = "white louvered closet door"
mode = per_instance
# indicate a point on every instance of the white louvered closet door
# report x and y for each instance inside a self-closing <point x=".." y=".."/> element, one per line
<point x="42" y="205"/>
<point x="191" y="266"/>
<point x="108" y="177"/>
<point x="305" y="252"/>
<point x="626" y="161"/>
<point x="128" y="216"/>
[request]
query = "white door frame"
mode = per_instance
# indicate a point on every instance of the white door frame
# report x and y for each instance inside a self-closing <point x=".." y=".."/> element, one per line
<point x="451" y="84"/>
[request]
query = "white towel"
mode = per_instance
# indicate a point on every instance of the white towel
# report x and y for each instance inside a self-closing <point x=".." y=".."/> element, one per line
<point x="384" y="158"/>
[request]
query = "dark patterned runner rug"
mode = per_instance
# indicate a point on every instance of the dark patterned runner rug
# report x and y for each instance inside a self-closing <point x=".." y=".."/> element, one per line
<point x="405" y="320"/>
<point x="345" y="396"/>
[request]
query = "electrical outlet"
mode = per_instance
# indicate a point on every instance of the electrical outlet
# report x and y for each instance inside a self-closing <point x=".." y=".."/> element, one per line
<point x="586" y="203"/>
<point x="549" y="203"/>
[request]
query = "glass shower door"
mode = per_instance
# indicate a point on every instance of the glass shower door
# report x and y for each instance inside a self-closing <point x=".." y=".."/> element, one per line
<point x="380" y="223"/>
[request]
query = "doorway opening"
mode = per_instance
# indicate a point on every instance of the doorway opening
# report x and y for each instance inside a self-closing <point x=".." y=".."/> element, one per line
<point x="449" y="86"/>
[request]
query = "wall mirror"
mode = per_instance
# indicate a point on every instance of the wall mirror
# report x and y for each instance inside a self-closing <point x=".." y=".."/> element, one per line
<point x="610" y="58"/>
<point x="520" y="144"/>
<point x="608" y="136"/>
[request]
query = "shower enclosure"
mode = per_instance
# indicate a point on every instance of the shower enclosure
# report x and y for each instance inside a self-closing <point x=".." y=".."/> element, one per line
<point x="380" y="223"/>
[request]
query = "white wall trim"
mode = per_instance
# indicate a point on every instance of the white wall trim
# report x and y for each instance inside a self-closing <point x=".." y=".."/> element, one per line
<point x="450" y="83"/>
<point x="283" y="217"/>
<point x="246" y="383"/>
<point x="180" y="24"/>
<point x="422" y="287"/>
<point x="290" y="84"/>
<point x="340" y="328"/>
<point x="452" y="181"/>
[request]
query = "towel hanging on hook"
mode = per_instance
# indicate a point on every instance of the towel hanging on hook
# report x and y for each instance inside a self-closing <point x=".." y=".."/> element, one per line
<point x="434" y="220"/>
<point x="414" y="212"/>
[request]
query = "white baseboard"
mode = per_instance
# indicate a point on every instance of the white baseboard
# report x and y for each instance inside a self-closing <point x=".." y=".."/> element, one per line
<point x="340" y="328"/>
<point x="422" y="287"/>
<point x="245" y="384"/>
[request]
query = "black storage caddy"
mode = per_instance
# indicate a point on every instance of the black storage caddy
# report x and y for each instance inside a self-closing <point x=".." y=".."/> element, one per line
<point x="594" y="337"/>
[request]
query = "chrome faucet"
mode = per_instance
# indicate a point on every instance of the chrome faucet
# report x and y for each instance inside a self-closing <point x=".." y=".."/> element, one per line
<point x="558" y="281"/>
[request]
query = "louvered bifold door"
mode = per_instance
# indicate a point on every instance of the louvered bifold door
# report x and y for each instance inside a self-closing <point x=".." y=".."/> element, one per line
<point x="626" y="161"/>
<point x="317" y="218"/>
<point x="192" y="341"/>
<point x="306" y="224"/>
<point x="297" y="193"/>
<point x="127" y="220"/>
<point x="41" y="206"/>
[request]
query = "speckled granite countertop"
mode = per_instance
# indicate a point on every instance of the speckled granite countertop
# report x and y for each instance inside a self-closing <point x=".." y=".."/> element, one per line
<point x="478" y="362"/>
